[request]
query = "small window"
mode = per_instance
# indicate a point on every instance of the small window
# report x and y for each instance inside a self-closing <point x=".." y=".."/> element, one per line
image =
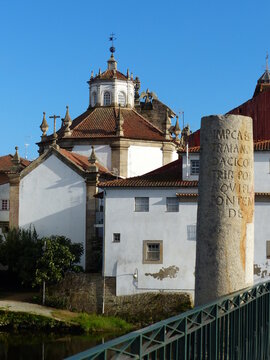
<point x="107" y="98"/>
<point x="172" y="204"/>
<point x="94" y="98"/>
<point x="141" y="204"/>
<point x="121" y="99"/>
<point x="5" y="205"/>
<point x="191" y="232"/>
<point x="116" y="237"/>
<point x="152" y="252"/>
<point x="195" y="167"/>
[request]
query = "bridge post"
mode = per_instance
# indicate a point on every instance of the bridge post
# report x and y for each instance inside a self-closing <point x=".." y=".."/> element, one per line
<point x="225" y="225"/>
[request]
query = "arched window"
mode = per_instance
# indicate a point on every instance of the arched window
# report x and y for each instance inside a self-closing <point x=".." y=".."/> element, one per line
<point x="94" y="98"/>
<point x="107" y="98"/>
<point x="122" y="99"/>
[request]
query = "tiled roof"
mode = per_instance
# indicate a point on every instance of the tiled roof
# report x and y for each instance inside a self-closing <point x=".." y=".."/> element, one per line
<point x="109" y="75"/>
<point x="101" y="123"/>
<point x="82" y="161"/>
<point x="194" y="149"/>
<point x="3" y="179"/>
<point x="187" y="195"/>
<point x="169" y="175"/>
<point x="262" y="145"/>
<point x="6" y="162"/>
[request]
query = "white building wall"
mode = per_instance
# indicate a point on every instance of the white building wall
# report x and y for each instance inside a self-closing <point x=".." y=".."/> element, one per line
<point x="4" y="195"/>
<point x="103" y="152"/>
<point x="142" y="159"/>
<point x="262" y="171"/>
<point x="53" y="199"/>
<point x="125" y="258"/>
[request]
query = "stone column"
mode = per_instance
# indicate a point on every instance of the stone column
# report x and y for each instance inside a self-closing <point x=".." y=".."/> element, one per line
<point x="14" y="193"/>
<point x="225" y="228"/>
<point x="120" y="157"/>
<point x="91" y="256"/>
<point x="167" y="152"/>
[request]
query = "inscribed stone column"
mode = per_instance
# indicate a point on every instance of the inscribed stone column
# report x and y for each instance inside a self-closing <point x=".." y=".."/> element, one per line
<point x="225" y="228"/>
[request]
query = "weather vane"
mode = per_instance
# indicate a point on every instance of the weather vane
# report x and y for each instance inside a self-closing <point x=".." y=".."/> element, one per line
<point x="112" y="38"/>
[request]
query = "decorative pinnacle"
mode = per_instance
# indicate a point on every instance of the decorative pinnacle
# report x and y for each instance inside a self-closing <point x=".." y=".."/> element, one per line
<point x="177" y="129"/>
<point x="266" y="61"/>
<point x="92" y="74"/>
<point x="99" y="71"/>
<point x="16" y="157"/>
<point x="93" y="158"/>
<point x="44" y="125"/>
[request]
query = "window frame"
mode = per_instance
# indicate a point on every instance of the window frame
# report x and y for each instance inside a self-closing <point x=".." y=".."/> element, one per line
<point x="146" y="260"/>
<point x="115" y="235"/>
<point x="169" y="198"/>
<point x="3" y="207"/>
<point x="195" y="170"/>
<point x="94" y="98"/>
<point x="140" y="207"/>
<point x="105" y="98"/>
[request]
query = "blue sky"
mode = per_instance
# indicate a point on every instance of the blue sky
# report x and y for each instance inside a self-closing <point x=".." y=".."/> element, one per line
<point x="201" y="57"/>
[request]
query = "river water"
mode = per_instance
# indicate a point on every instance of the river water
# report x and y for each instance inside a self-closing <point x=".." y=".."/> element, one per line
<point x="29" y="346"/>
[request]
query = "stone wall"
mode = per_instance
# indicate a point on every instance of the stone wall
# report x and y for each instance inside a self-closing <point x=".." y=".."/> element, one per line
<point x="84" y="292"/>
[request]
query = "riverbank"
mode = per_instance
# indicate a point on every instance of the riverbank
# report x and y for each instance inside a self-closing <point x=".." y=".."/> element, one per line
<point x="17" y="316"/>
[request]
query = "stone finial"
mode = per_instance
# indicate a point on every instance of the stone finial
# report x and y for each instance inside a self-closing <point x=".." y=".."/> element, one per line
<point x="177" y="129"/>
<point x="67" y="122"/>
<point x="44" y="125"/>
<point x="137" y="87"/>
<point x="16" y="157"/>
<point x="92" y="75"/>
<point x="92" y="158"/>
<point x="131" y="76"/>
<point x="99" y="71"/>
<point x="55" y="136"/>
<point x="128" y="76"/>
<point x="119" y="123"/>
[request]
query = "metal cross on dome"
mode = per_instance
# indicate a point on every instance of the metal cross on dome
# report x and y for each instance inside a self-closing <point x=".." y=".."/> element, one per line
<point x="112" y="38"/>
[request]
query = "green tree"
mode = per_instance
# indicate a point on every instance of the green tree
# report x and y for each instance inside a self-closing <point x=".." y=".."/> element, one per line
<point x="19" y="250"/>
<point x="59" y="256"/>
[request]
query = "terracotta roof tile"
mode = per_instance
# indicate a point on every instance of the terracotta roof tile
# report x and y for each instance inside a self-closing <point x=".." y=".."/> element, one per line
<point x="6" y="162"/>
<point x="3" y="179"/>
<point x="82" y="161"/>
<point x="194" y="149"/>
<point x="169" y="175"/>
<point x="109" y="75"/>
<point x="101" y="123"/>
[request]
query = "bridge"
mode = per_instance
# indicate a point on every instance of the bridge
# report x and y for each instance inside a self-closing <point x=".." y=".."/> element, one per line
<point x="234" y="327"/>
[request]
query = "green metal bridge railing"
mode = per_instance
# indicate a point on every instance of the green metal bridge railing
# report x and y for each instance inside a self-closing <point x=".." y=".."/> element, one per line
<point x="234" y="327"/>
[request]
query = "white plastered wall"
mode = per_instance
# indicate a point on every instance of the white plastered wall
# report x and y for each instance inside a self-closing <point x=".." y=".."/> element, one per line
<point x="262" y="171"/>
<point x="142" y="159"/>
<point x="125" y="258"/>
<point x="53" y="199"/>
<point x="4" y="195"/>
<point x="186" y="166"/>
<point x="103" y="152"/>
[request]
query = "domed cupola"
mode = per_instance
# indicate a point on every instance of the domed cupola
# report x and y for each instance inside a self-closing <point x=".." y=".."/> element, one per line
<point x="111" y="87"/>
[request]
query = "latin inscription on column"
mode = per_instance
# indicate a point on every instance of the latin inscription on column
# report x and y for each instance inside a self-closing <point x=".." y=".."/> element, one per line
<point x="231" y="171"/>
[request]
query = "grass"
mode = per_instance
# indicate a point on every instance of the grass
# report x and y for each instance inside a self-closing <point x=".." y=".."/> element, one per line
<point x="97" y="323"/>
<point x="92" y="323"/>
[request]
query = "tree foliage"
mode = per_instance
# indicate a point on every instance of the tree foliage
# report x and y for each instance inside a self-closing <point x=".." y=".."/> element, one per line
<point x="29" y="261"/>
<point x="59" y="256"/>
